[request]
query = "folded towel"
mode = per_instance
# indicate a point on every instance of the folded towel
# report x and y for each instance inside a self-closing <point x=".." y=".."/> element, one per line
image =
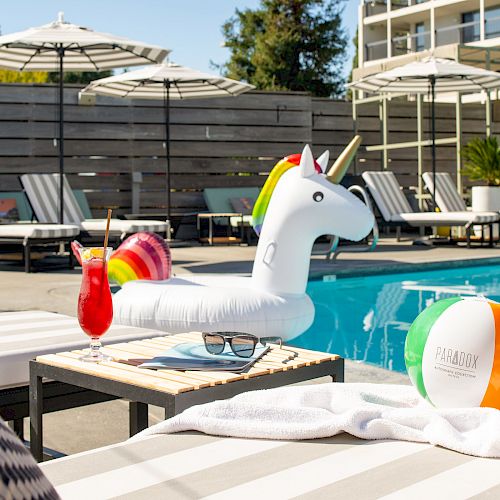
<point x="368" y="411"/>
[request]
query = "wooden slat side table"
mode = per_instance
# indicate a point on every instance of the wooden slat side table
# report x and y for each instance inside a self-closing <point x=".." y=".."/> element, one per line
<point x="218" y="239"/>
<point x="172" y="390"/>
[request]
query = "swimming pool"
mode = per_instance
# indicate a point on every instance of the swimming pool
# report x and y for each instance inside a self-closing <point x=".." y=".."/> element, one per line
<point x="367" y="318"/>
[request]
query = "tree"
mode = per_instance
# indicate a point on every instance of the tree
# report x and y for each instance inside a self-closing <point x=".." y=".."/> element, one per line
<point x="11" y="76"/>
<point x="83" y="77"/>
<point x="355" y="60"/>
<point x="288" y="45"/>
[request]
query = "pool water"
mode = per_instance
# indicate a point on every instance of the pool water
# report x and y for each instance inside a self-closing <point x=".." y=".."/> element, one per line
<point x="367" y="318"/>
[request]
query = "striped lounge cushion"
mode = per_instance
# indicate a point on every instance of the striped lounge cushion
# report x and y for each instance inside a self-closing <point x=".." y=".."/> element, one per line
<point x="42" y="191"/>
<point x="38" y="231"/>
<point x="447" y="197"/>
<point x="387" y="194"/>
<point x="20" y="475"/>
<point x="27" y="334"/>
<point x="191" y="465"/>
<point x="117" y="226"/>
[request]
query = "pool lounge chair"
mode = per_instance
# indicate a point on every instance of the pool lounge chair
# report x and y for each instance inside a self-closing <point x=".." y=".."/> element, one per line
<point x="27" y="334"/>
<point x="396" y="210"/>
<point x="447" y="197"/>
<point x="192" y="465"/>
<point x="223" y="200"/>
<point x="30" y="235"/>
<point x="42" y="191"/>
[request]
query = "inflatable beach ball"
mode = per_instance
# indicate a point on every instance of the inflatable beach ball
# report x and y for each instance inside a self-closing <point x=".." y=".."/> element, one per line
<point x="452" y="353"/>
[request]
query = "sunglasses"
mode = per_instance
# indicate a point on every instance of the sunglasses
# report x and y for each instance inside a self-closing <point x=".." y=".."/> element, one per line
<point x="241" y="344"/>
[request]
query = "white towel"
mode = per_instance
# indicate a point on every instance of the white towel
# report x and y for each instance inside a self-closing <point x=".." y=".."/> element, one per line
<point x="368" y="411"/>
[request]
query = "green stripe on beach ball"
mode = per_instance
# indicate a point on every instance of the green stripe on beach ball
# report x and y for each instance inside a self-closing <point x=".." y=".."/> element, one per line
<point x="417" y="338"/>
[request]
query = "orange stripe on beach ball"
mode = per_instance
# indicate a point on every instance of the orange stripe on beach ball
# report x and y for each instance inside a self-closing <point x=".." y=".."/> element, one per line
<point x="492" y="396"/>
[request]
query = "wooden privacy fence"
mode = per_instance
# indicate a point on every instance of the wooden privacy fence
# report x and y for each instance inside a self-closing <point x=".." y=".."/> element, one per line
<point x="222" y="142"/>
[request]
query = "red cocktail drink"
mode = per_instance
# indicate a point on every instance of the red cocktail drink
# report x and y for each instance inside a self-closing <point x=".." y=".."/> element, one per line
<point x="95" y="306"/>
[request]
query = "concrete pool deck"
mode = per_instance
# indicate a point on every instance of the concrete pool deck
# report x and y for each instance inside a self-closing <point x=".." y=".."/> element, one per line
<point x="87" y="428"/>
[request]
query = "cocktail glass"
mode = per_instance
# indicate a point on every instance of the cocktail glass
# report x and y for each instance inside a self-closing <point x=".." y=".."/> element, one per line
<point x="95" y="306"/>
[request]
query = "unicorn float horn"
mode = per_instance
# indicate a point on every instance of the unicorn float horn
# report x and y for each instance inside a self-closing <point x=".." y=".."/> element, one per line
<point x="343" y="162"/>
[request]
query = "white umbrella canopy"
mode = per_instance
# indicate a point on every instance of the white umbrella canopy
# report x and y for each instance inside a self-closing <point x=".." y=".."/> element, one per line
<point x="39" y="49"/>
<point x="150" y="83"/>
<point x="428" y="76"/>
<point x="416" y="78"/>
<point x="61" y="46"/>
<point x="167" y="81"/>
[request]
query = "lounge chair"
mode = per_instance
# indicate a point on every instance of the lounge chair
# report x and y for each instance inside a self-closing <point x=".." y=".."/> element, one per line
<point x="42" y="191"/>
<point x="447" y="197"/>
<point x="396" y="210"/>
<point x="30" y="235"/>
<point x="225" y="200"/>
<point x="193" y="465"/>
<point x="27" y="334"/>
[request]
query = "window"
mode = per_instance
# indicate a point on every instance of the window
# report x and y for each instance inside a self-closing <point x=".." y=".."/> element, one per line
<point x="420" y="37"/>
<point x="492" y="22"/>
<point x="470" y="32"/>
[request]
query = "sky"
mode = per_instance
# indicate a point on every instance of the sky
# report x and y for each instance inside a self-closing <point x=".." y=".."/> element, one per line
<point x="190" y="28"/>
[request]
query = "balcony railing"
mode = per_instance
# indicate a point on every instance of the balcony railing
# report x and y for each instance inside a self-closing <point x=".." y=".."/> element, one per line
<point x="373" y="7"/>
<point x="416" y="42"/>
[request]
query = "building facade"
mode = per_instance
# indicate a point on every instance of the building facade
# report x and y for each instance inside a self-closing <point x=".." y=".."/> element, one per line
<point x="395" y="32"/>
<point x="395" y="28"/>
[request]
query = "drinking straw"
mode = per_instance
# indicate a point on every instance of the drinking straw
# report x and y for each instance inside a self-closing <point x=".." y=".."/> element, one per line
<point x="106" y="234"/>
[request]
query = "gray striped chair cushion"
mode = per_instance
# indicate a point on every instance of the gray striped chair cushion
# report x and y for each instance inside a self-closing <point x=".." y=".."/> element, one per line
<point x="387" y="194"/>
<point x="117" y="226"/>
<point x="20" y="476"/>
<point x="42" y="191"/>
<point x="190" y="465"/>
<point x="447" y="197"/>
<point x="24" y="335"/>
<point x="38" y="231"/>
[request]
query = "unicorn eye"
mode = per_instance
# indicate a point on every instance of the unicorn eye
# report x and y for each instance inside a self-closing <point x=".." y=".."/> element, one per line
<point x="318" y="196"/>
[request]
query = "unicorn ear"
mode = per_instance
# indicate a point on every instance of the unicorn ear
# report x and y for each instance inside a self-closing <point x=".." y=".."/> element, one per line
<point x="307" y="163"/>
<point x="323" y="160"/>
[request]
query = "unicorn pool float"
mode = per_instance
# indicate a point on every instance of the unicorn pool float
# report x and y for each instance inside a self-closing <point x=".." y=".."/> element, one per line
<point x="297" y="204"/>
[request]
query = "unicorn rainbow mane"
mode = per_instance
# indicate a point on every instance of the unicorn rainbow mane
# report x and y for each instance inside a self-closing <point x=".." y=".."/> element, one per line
<point x="260" y="207"/>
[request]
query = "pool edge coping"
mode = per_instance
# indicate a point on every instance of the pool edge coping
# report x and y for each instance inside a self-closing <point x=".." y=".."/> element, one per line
<point x="402" y="267"/>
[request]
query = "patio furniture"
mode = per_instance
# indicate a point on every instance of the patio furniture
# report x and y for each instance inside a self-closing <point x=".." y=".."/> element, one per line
<point x="24" y="212"/>
<point x="27" y="334"/>
<point x="165" y="82"/>
<point x="172" y="390"/>
<point x="62" y="46"/>
<point x="30" y="236"/>
<point x="396" y="210"/>
<point x="448" y="198"/>
<point x="218" y="201"/>
<point x="426" y="77"/>
<point x="194" y="465"/>
<point x="42" y="189"/>
<point x="211" y="239"/>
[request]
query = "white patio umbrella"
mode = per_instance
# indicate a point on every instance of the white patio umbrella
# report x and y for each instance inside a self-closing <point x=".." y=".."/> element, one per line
<point x="428" y="76"/>
<point x="61" y="46"/>
<point x="167" y="81"/>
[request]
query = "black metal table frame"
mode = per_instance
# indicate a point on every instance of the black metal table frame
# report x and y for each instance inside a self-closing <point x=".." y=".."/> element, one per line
<point x="141" y="397"/>
<point x="29" y="243"/>
<point x="14" y="401"/>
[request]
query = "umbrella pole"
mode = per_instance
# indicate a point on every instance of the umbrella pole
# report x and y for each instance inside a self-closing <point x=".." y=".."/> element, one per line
<point x="433" y="133"/>
<point x="167" y="144"/>
<point x="60" y="51"/>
